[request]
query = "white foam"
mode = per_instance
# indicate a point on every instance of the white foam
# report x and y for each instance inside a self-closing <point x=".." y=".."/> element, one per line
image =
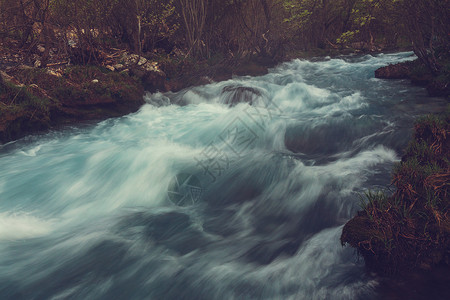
<point x="31" y="152"/>
<point x="16" y="226"/>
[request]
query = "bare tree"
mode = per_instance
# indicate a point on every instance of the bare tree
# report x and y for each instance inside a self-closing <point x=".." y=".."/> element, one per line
<point x="194" y="17"/>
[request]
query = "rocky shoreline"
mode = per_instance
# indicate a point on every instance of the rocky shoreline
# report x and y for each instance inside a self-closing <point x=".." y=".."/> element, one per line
<point x="34" y="99"/>
<point x="437" y="85"/>
<point x="409" y="230"/>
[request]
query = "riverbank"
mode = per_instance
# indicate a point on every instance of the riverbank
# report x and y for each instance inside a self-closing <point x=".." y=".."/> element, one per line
<point x="437" y="85"/>
<point x="35" y="98"/>
<point x="409" y="230"/>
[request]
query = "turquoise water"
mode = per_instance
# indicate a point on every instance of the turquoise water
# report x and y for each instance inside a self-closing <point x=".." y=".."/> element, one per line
<point x="89" y="212"/>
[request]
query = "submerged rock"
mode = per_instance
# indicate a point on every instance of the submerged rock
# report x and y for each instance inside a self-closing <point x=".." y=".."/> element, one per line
<point x="233" y="95"/>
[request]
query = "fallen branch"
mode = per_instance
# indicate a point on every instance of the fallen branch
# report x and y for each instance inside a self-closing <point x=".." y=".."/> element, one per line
<point x="57" y="64"/>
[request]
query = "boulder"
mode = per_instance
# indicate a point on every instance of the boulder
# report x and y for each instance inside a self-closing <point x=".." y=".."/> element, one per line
<point x="232" y="95"/>
<point x="397" y="71"/>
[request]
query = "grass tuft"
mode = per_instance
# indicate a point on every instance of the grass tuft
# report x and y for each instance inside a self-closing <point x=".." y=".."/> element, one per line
<point x="411" y="228"/>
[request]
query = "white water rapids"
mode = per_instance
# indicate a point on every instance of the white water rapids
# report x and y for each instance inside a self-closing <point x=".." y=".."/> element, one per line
<point x="86" y="213"/>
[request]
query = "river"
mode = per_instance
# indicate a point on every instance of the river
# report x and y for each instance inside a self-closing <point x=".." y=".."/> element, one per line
<point x="196" y="196"/>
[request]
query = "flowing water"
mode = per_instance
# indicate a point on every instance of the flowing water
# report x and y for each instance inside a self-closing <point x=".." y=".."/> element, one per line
<point x="197" y="196"/>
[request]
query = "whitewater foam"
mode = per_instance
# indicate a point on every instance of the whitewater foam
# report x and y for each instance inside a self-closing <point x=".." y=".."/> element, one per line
<point x="20" y="225"/>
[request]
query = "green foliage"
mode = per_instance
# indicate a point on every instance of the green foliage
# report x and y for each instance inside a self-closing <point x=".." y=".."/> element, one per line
<point x="15" y="99"/>
<point x="241" y="28"/>
<point x="432" y="122"/>
<point x="374" y="200"/>
<point x="299" y="13"/>
<point x="421" y="151"/>
<point x="347" y="37"/>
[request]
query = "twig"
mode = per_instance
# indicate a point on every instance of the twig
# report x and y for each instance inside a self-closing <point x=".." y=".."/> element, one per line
<point x="57" y="64"/>
<point x="12" y="101"/>
<point x="32" y="115"/>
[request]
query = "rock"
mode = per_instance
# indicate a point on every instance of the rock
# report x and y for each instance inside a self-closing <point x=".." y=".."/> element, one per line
<point x="118" y="67"/>
<point x="421" y="79"/>
<point x="130" y="59"/>
<point x="154" y="81"/>
<point x="40" y="48"/>
<point x="174" y="85"/>
<point x="152" y="77"/>
<point x="397" y="71"/>
<point x="134" y="61"/>
<point x="95" y="81"/>
<point x="436" y="85"/>
<point x="142" y="61"/>
<point x="222" y="74"/>
<point x="233" y="95"/>
<point x="138" y="72"/>
<point x="72" y="43"/>
<point x="53" y="73"/>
